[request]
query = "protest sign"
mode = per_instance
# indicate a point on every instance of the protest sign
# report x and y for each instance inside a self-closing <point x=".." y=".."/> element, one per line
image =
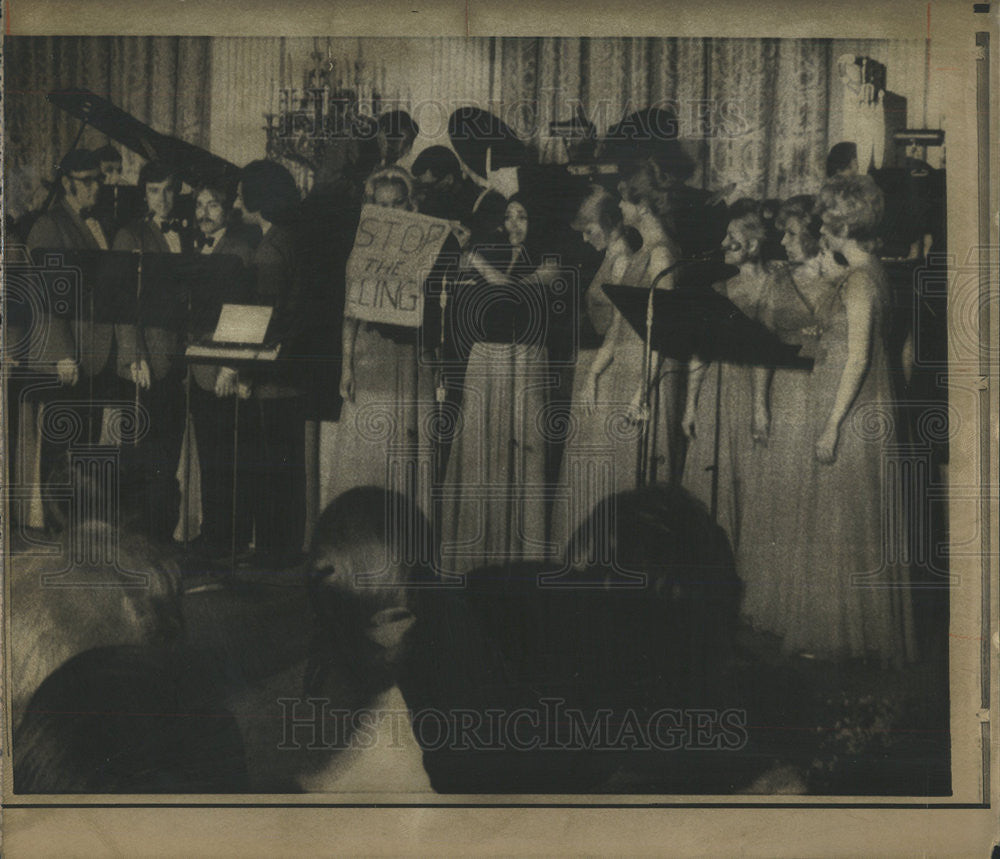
<point x="393" y="252"/>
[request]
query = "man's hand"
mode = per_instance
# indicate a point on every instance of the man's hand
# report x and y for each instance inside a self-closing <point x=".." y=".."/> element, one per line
<point x="140" y="374"/>
<point x="67" y="371"/>
<point x="225" y="382"/>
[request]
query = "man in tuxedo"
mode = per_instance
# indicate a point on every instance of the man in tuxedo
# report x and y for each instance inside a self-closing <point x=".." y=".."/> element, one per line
<point x="268" y="198"/>
<point x="151" y="355"/>
<point x="74" y="348"/>
<point x="78" y="351"/>
<point x="213" y="388"/>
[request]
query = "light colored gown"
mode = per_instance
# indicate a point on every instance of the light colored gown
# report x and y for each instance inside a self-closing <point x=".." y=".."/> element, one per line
<point x="585" y="471"/>
<point x="494" y="496"/>
<point x="726" y="391"/>
<point x="383" y="438"/>
<point x="774" y="485"/>
<point x="852" y="596"/>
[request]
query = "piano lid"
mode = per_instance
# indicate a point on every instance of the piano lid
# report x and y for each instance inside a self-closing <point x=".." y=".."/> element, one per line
<point x="193" y="164"/>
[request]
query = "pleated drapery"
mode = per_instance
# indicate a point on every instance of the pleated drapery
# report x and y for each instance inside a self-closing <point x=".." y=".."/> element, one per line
<point x="162" y="81"/>
<point x="758" y="114"/>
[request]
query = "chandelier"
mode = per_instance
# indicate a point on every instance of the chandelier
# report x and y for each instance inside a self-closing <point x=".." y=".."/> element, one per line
<point x="338" y="100"/>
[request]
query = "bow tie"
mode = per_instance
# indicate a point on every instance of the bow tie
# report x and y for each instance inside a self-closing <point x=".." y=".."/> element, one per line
<point x="204" y="241"/>
<point x="172" y="226"/>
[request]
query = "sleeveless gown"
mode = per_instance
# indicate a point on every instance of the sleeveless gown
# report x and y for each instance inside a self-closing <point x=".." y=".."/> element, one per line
<point x="852" y="597"/>
<point x="775" y="488"/>
<point x="725" y="389"/>
<point x="584" y="479"/>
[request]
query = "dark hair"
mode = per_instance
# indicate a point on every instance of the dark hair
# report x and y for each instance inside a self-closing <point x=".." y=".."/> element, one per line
<point x="841" y="155"/>
<point x="79" y="160"/>
<point x="802" y="208"/>
<point x="224" y="191"/>
<point x="158" y="171"/>
<point x="598" y="206"/>
<point x="485" y="222"/>
<point x="269" y="188"/>
<point x="657" y="549"/>
<point x="649" y="135"/>
<point x="385" y="543"/>
<point x="440" y="160"/>
<point x="76" y="161"/>
<point x="127" y="720"/>
<point x="368" y="524"/>
<point x="108" y="153"/>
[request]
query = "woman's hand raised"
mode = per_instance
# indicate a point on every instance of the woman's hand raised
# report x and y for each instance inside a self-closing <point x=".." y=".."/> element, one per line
<point x="347" y="385"/>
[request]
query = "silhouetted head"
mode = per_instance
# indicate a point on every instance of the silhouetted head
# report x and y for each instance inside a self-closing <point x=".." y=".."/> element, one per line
<point x="126" y="720"/>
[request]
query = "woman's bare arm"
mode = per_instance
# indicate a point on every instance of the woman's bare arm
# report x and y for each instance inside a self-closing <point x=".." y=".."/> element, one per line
<point x="350" y="335"/>
<point x="859" y="301"/>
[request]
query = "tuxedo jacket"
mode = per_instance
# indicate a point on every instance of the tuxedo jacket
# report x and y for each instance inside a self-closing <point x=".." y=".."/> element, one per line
<point x="277" y="282"/>
<point x="233" y="245"/>
<point x="59" y="338"/>
<point x="157" y="346"/>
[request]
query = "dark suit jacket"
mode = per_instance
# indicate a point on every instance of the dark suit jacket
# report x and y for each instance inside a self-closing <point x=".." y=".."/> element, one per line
<point x="231" y="244"/>
<point x="77" y="339"/>
<point x="277" y="282"/>
<point x="157" y="346"/>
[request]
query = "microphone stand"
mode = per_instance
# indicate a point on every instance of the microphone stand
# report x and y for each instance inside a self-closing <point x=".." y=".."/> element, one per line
<point x="138" y="298"/>
<point x="642" y="454"/>
<point x="440" y="394"/>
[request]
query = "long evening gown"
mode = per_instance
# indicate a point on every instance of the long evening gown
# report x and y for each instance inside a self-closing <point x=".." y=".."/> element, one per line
<point x="618" y="438"/>
<point x="493" y="502"/>
<point x="852" y="596"/>
<point x="383" y="438"/>
<point x="725" y="390"/>
<point x="584" y="478"/>
<point x="774" y="487"/>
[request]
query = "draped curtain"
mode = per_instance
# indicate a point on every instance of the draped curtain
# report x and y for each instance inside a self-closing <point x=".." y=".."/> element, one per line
<point x="751" y="112"/>
<point x="757" y="114"/>
<point x="159" y="80"/>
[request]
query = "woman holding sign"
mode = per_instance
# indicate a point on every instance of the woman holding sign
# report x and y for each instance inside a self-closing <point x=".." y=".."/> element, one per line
<point x="494" y="495"/>
<point x="387" y="379"/>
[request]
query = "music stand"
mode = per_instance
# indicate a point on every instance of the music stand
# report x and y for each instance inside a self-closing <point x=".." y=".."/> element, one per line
<point x="185" y="293"/>
<point x="239" y="341"/>
<point x="698" y="320"/>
